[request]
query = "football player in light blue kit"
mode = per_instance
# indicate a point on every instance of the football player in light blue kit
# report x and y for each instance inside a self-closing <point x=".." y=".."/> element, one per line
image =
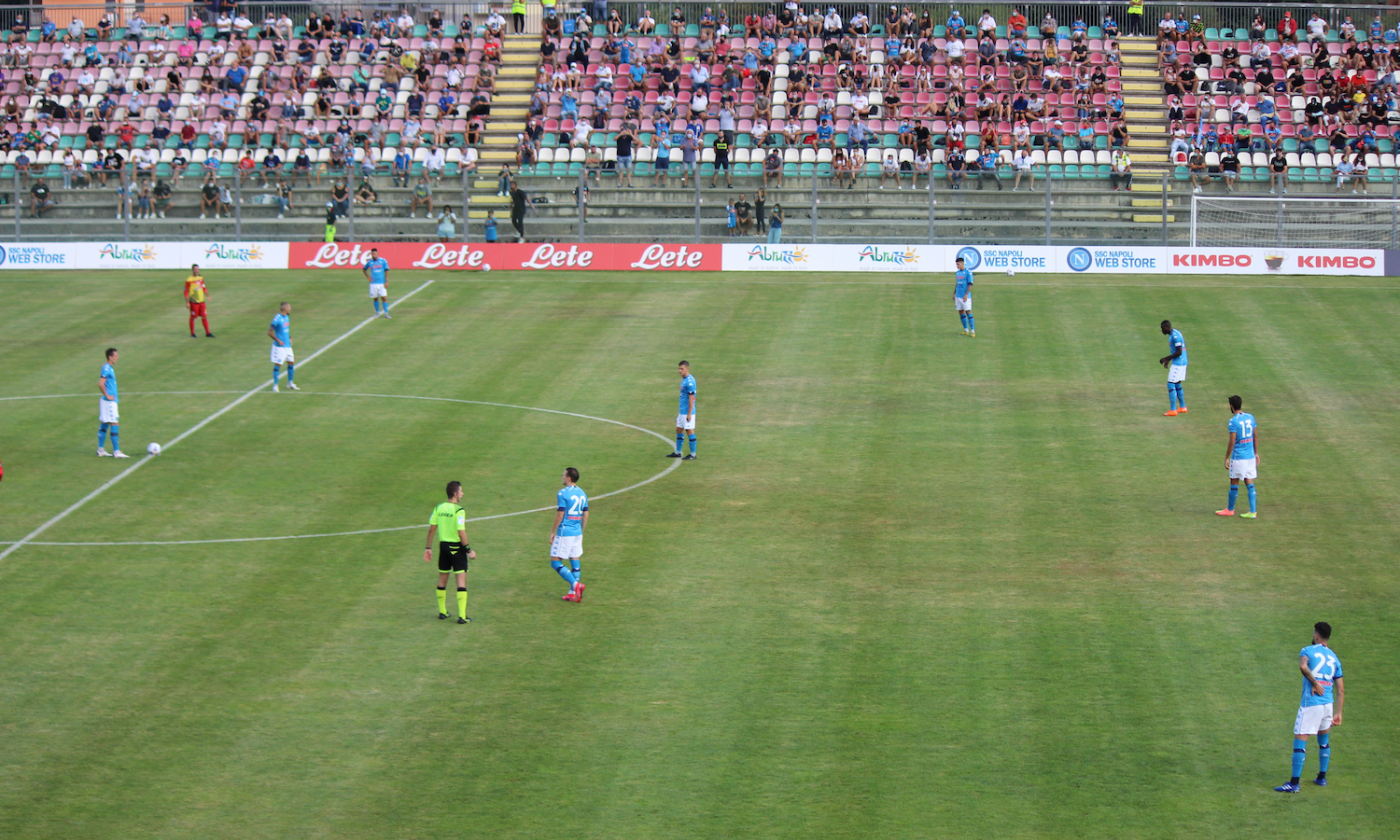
<point x="566" y="535"/>
<point x="685" y="416"/>
<point x="107" y="415"/>
<point x="1317" y="713"/>
<point x="281" y="334"/>
<point x="376" y="268"/>
<point x="962" y="298"/>
<point x="1241" y="457"/>
<point x="1175" y="363"/>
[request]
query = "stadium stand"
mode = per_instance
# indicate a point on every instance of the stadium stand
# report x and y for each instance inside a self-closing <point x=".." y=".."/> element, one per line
<point x="371" y="113"/>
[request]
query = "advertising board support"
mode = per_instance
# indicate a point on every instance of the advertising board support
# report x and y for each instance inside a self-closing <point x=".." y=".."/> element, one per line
<point x="466" y="204"/>
<point x="1049" y="187"/>
<point x="237" y="207"/>
<point x="350" y="210"/>
<point x="814" y="203"/>
<point x="932" y="210"/>
<point x="18" y="207"/>
<point x="1394" y="215"/>
<point x="1164" y="208"/>
<point x="579" y="206"/>
<point x="124" y="206"/>
<point x="696" y="173"/>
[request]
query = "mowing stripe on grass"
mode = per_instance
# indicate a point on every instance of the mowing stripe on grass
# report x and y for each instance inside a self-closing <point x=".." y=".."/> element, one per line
<point x="191" y="430"/>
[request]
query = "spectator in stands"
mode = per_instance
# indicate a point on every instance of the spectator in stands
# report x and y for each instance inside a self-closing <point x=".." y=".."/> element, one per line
<point x="209" y="199"/>
<point x="1317" y="28"/>
<point x="367" y="195"/>
<point x="1229" y="167"/>
<point x="39" y="199"/>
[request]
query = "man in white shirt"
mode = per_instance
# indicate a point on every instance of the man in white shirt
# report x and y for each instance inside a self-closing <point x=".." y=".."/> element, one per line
<point x="241" y="25"/>
<point x="404" y="25"/>
<point x="1022" y="163"/>
<point x="987" y="25"/>
<point x="86" y="81"/>
<point x="831" y="24"/>
<point x="284" y="27"/>
<point x="435" y="162"/>
<point x="1317" y="28"/>
<point x="495" y="22"/>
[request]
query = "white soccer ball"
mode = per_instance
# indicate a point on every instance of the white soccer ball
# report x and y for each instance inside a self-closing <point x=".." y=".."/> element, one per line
<point x="486" y="267"/>
<point x="1011" y="272"/>
<point x="153" y="449"/>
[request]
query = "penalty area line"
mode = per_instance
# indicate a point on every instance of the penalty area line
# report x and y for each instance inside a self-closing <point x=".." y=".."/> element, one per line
<point x="18" y="544"/>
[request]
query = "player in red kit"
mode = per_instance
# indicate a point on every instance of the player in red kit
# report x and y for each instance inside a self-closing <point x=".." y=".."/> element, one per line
<point x="195" y="296"/>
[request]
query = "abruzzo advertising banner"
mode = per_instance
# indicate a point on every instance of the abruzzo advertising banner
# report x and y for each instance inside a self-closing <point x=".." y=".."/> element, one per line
<point x="143" y="254"/>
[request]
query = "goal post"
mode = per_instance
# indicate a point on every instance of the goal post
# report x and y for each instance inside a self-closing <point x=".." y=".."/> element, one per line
<point x="1288" y="222"/>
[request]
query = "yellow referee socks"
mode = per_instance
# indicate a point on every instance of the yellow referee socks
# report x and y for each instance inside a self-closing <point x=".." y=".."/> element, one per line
<point x="462" y="603"/>
<point x="442" y="600"/>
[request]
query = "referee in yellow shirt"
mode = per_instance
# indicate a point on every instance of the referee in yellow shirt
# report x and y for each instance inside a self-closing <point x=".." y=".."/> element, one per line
<point x="195" y="295"/>
<point x="448" y="523"/>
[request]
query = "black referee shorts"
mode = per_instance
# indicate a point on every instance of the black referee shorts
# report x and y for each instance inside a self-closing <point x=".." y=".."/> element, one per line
<point x="452" y="557"/>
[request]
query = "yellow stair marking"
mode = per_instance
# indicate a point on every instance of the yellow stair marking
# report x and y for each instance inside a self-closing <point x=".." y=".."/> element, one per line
<point x="1139" y="186"/>
<point x="1148" y="202"/>
<point x="1157" y="219"/>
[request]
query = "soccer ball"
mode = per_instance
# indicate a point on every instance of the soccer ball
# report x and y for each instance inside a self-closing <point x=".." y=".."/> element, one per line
<point x="1011" y="272"/>
<point x="153" y="449"/>
<point x="486" y="267"/>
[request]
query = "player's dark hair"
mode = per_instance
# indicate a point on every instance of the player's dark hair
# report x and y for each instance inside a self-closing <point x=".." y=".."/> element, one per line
<point x="282" y="304"/>
<point x="1323" y="630"/>
<point x="1166" y="325"/>
<point x="682" y="362"/>
<point x="959" y="259"/>
<point x="193" y="267"/>
<point x="1236" y="402"/>
<point x="111" y="351"/>
<point x="453" y="487"/>
<point x="572" y="473"/>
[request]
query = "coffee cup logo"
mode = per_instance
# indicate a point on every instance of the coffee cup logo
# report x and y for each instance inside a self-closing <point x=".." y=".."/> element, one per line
<point x="1273" y="262"/>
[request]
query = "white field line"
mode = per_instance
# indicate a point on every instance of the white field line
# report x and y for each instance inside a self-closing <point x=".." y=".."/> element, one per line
<point x="191" y="430"/>
<point x="674" y="464"/>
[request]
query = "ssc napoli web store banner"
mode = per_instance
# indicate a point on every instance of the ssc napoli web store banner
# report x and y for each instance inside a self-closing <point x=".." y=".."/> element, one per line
<point x="148" y="255"/>
<point x="509" y="256"/>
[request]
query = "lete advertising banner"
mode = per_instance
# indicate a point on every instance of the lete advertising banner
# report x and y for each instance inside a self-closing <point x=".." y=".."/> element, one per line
<point x="510" y="256"/>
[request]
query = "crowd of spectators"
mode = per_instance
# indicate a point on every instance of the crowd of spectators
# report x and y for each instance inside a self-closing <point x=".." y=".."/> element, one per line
<point x="134" y="106"/>
<point x="901" y="100"/>
<point x="1280" y="100"/>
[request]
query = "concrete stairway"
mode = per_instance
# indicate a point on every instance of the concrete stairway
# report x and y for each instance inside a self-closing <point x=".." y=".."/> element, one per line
<point x="1146" y="112"/>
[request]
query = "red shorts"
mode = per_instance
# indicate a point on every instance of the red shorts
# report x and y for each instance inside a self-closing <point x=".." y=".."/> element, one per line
<point x="197" y="309"/>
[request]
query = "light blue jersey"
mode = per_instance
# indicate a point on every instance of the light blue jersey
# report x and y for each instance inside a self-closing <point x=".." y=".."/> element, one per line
<point x="1242" y="425"/>
<point x="687" y="391"/>
<point x="378" y="269"/>
<point x="1176" y="342"/>
<point x="1326" y="668"/>
<point x="109" y="376"/>
<point x="282" y="328"/>
<point x="573" y="501"/>
<point x="964" y="283"/>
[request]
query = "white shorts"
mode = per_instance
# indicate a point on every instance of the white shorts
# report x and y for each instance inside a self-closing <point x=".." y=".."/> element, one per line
<point x="686" y="422"/>
<point x="282" y="354"/>
<point x="1244" y="468"/>
<point x="963" y="304"/>
<point x="107" y="412"/>
<point x="377" y="290"/>
<point x="1176" y="373"/>
<point x="1313" y="719"/>
<point x="568" y="548"/>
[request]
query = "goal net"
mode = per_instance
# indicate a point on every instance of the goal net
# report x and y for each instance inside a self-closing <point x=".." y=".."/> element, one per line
<point x="1286" y="222"/>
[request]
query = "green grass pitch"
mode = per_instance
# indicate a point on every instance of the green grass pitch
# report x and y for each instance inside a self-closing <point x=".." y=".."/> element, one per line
<point x="917" y="585"/>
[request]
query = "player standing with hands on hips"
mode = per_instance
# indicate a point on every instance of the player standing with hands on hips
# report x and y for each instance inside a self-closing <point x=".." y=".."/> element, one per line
<point x="376" y="268"/>
<point x="1322" y="672"/>
<point x="1175" y="363"/>
<point x="448" y="524"/>
<point x="1241" y="457"/>
<point x="281" y="334"/>
<point x="195" y="295"/>
<point x="962" y="298"/>
<point x="685" y="418"/>
<point x="107" y="416"/>
<point x="566" y="536"/>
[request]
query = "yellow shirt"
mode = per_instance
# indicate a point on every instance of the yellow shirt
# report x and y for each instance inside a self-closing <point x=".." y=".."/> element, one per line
<point x="194" y="288"/>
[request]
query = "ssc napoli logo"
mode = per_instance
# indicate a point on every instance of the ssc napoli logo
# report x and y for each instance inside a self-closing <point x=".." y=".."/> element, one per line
<point x="971" y="257"/>
<point x="2" y="256"/>
<point x="1080" y="259"/>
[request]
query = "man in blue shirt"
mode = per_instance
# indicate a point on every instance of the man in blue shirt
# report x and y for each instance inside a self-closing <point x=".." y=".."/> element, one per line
<point x="566" y="535"/>
<point x="281" y="334"/>
<point x="376" y="268"/>
<point x="403" y="162"/>
<point x="1317" y="714"/>
<point x="107" y="417"/>
<point x="1175" y="363"/>
<point x="685" y="418"/>
<point x="962" y="298"/>
<point x="957" y="27"/>
<point x="1241" y="457"/>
